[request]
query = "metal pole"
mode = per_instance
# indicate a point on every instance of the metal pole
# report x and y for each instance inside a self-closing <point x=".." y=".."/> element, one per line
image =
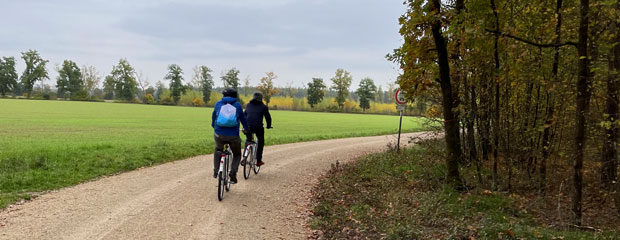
<point x="399" y="125"/>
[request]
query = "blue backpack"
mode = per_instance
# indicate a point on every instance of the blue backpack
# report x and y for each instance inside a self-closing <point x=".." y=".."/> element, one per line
<point x="227" y="117"/>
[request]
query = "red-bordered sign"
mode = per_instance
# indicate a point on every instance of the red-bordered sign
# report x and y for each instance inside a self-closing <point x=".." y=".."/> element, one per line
<point x="399" y="96"/>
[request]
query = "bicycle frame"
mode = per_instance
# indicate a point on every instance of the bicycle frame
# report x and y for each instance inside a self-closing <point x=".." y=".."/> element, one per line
<point x="223" y="160"/>
<point x="253" y="143"/>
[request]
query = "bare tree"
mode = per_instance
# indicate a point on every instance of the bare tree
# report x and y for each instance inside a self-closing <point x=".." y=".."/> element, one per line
<point x="143" y="83"/>
<point x="92" y="79"/>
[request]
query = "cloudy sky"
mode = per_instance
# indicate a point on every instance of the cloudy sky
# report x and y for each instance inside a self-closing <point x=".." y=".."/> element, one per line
<point x="296" y="39"/>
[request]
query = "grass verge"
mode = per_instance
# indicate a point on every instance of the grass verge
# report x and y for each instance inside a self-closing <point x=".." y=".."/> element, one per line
<point x="402" y="196"/>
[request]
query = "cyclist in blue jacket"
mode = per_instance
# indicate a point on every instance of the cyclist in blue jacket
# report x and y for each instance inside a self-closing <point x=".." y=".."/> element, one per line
<point x="228" y="134"/>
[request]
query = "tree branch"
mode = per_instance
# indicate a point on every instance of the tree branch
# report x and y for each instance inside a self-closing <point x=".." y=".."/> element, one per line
<point x="543" y="45"/>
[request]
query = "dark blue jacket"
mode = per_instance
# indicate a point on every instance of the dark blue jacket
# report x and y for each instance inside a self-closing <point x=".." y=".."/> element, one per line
<point x="228" y="131"/>
<point x="255" y="110"/>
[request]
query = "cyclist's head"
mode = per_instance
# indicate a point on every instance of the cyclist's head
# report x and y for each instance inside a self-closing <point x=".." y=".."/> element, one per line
<point x="230" y="92"/>
<point x="258" y="96"/>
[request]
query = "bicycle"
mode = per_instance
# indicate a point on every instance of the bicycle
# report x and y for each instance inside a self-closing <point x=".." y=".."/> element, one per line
<point x="223" y="183"/>
<point x="250" y="151"/>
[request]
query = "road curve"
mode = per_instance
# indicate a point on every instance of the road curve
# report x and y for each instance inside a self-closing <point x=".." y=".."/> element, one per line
<point x="178" y="200"/>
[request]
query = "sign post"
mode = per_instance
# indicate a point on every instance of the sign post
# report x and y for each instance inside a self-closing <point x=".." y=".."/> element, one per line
<point x="399" y="96"/>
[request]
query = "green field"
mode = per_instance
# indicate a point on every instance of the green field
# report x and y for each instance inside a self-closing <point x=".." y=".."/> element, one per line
<point x="47" y="145"/>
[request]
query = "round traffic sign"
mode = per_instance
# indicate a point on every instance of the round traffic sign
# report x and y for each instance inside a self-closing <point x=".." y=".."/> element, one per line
<point x="399" y="96"/>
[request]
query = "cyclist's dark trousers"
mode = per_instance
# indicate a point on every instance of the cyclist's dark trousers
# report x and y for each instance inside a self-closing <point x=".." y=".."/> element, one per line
<point x="260" y="134"/>
<point x="235" y="146"/>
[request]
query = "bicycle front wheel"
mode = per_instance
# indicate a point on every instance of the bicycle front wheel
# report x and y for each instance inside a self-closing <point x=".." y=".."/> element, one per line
<point x="254" y="166"/>
<point x="247" y="167"/>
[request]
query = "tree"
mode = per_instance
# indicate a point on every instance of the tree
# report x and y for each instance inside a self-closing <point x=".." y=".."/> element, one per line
<point x="159" y="91"/>
<point x="341" y="81"/>
<point x="430" y="69"/>
<point x="143" y="83"/>
<point x="379" y="95"/>
<point x="231" y="79"/>
<point x="366" y="92"/>
<point x="583" y="108"/>
<point x="122" y="81"/>
<point x="69" y="78"/>
<point x="246" y="85"/>
<point x="175" y="75"/>
<point x="289" y="89"/>
<point x="266" y="86"/>
<point x="150" y="90"/>
<point x="203" y="77"/>
<point x="609" y="159"/>
<point x="108" y="88"/>
<point x="8" y="75"/>
<point x="35" y="70"/>
<point x="316" y="91"/>
<point x="389" y="94"/>
<point x="91" y="78"/>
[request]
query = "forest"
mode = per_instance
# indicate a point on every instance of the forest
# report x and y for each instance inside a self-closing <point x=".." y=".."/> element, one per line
<point x="528" y="93"/>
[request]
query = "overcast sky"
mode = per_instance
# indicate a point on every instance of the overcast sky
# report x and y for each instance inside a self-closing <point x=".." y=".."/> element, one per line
<point x="296" y="39"/>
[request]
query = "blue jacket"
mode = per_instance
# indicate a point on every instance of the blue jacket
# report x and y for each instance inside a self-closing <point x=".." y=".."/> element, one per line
<point x="228" y="131"/>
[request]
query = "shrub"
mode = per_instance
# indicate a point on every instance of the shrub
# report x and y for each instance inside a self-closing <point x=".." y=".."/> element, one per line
<point x="80" y="95"/>
<point x="148" y="99"/>
<point x="167" y="100"/>
<point x="197" y="102"/>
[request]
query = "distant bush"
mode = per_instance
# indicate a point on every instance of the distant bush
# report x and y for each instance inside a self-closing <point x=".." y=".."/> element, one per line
<point x="49" y="96"/>
<point x="187" y="99"/>
<point x="80" y="95"/>
<point x="166" y="100"/>
<point x="198" y="102"/>
<point x="148" y="99"/>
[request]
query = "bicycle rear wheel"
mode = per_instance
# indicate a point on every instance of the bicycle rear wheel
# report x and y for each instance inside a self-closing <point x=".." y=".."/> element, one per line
<point x="220" y="186"/>
<point x="227" y="172"/>
<point x="247" y="167"/>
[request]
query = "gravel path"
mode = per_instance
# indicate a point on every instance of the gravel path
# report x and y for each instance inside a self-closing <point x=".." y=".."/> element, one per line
<point x="178" y="200"/>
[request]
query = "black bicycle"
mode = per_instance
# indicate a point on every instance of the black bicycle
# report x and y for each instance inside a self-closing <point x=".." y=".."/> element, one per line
<point x="249" y="157"/>
<point x="223" y="183"/>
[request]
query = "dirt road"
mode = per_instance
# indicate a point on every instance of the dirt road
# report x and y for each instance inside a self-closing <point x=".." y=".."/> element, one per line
<point x="178" y="200"/>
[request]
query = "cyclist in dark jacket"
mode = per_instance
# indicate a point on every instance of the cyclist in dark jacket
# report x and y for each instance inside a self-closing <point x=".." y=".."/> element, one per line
<point x="255" y="111"/>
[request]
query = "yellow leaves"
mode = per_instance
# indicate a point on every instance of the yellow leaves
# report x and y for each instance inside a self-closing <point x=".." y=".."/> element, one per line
<point x="197" y="102"/>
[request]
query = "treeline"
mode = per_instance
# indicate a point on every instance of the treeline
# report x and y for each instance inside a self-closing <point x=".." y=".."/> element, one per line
<point x="527" y="90"/>
<point x="125" y="84"/>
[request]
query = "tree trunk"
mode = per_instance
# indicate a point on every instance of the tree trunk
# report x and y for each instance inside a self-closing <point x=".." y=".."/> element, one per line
<point x="451" y="123"/>
<point x="583" y="102"/>
<point x="546" y="139"/>
<point x="471" y="137"/>
<point x="497" y="106"/>
<point x="484" y="124"/>
<point x="609" y="166"/>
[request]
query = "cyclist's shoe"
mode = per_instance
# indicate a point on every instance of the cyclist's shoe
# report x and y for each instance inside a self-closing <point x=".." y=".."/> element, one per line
<point x="242" y="162"/>
<point x="214" y="174"/>
<point x="233" y="178"/>
<point x="260" y="163"/>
